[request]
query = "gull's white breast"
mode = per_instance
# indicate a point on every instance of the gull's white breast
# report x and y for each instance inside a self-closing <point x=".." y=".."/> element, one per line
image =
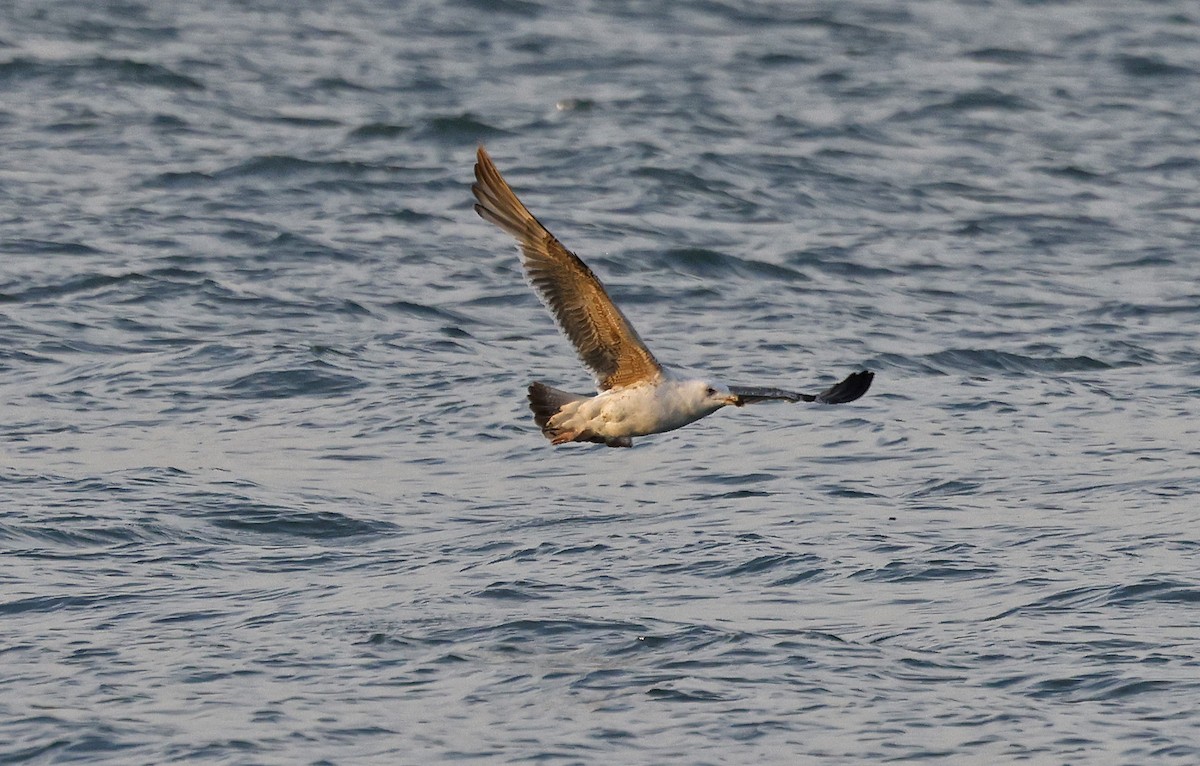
<point x="636" y="410"/>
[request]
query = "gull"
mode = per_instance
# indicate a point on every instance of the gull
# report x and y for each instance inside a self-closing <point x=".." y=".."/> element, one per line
<point x="637" y="396"/>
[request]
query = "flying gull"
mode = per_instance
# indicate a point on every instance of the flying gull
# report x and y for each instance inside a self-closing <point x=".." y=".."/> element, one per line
<point x="636" y="395"/>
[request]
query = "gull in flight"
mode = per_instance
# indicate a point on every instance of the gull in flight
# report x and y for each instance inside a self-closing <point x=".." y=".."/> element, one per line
<point x="636" y="395"/>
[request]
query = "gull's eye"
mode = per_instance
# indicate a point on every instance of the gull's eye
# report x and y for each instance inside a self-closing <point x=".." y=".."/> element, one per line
<point x="710" y="391"/>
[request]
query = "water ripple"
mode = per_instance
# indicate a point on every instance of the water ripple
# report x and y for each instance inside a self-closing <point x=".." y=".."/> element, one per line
<point x="272" y="492"/>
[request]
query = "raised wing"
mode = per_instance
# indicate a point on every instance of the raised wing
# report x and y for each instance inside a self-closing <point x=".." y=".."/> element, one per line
<point x="848" y="390"/>
<point x="604" y="339"/>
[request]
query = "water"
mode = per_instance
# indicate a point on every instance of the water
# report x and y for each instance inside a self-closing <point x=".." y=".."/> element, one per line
<point x="271" y="493"/>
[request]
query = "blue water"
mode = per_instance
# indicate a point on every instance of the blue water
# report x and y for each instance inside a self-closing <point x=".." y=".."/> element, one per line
<point x="271" y="493"/>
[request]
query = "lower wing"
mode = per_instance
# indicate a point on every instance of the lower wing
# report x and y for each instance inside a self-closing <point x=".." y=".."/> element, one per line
<point x="848" y="390"/>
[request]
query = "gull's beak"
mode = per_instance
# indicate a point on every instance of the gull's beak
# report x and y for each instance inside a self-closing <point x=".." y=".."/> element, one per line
<point x="734" y="399"/>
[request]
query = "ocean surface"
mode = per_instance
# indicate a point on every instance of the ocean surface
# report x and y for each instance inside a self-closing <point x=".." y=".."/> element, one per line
<point x="270" y="492"/>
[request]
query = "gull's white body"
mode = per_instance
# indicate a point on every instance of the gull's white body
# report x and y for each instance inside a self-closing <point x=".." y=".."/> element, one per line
<point x="618" y="414"/>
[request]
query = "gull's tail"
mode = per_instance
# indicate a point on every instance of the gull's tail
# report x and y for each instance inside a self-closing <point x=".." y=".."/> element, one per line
<point x="546" y="402"/>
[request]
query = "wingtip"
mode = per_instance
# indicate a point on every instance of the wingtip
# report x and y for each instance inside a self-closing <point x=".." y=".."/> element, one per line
<point x="866" y="378"/>
<point x="853" y="387"/>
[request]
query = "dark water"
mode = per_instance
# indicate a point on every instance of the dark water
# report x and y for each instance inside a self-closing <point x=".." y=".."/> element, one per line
<point x="271" y="493"/>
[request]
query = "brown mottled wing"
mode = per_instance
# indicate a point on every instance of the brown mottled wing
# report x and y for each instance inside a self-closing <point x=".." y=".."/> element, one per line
<point x="602" y="336"/>
<point x="854" y="386"/>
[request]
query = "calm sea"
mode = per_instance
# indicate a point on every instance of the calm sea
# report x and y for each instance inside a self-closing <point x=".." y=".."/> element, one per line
<point x="270" y="492"/>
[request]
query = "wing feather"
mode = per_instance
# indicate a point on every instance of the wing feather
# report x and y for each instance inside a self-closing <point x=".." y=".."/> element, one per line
<point x="604" y="339"/>
<point x="854" y="386"/>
